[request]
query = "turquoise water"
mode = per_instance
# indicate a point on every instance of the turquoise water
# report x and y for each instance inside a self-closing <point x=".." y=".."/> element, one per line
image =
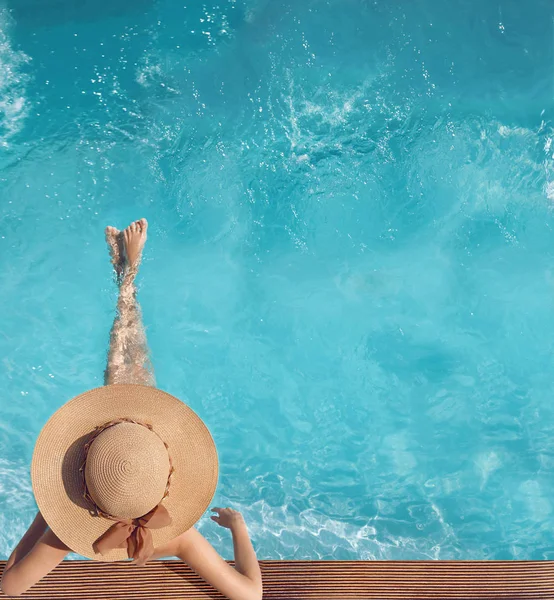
<point x="350" y="267"/>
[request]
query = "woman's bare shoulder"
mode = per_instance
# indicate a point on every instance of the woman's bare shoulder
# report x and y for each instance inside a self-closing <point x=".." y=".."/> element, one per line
<point x="177" y="545"/>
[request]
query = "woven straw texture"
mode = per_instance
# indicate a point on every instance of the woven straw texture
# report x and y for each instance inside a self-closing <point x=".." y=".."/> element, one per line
<point x="122" y="460"/>
<point x="298" y="580"/>
<point x="58" y="454"/>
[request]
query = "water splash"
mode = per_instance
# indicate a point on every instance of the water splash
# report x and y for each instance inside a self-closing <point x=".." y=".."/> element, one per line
<point x="14" y="104"/>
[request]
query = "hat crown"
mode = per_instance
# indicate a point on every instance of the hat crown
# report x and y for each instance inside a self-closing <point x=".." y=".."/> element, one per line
<point x="127" y="470"/>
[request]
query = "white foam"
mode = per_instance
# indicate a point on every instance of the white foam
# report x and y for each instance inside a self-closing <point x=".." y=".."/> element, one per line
<point x="17" y="501"/>
<point x="538" y="505"/>
<point x="15" y="485"/>
<point x="550" y="190"/>
<point x="14" y="105"/>
<point x="148" y="73"/>
<point x="506" y="131"/>
<point x="486" y="463"/>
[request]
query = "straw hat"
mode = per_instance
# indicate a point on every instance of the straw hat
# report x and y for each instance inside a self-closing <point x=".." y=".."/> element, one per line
<point x="113" y="455"/>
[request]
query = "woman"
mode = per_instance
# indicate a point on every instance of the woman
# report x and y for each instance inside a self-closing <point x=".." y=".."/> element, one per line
<point x="126" y="470"/>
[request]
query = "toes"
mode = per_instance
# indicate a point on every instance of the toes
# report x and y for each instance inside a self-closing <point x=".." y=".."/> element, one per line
<point x="135" y="227"/>
<point x="111" y="235"/>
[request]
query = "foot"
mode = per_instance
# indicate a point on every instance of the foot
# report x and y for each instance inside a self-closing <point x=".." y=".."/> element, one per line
<point x="114" y="237"/>
<point x="134" y="238"/>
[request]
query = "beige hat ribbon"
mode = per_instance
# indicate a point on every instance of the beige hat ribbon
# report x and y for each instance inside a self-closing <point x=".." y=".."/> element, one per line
<point x="134" y="534"/>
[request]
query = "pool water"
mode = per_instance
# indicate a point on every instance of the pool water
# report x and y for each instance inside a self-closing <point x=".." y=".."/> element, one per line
<point x="350" y="266"/>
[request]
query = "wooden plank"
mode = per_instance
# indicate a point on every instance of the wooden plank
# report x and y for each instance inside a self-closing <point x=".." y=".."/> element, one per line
<point x="310" y="580"/>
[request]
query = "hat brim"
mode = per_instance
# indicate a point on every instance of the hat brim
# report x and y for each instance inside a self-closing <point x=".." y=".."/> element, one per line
<point x="58" y="455"/>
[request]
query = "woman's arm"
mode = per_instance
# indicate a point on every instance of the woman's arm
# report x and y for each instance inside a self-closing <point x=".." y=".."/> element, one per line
<point x="245" y="557"/>
<point x="244" y="582"/>
<point x="38" y="552"/>
<point x="32" y="535"/>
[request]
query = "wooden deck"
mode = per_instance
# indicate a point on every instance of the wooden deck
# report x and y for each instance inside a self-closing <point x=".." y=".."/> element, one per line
<point x="314" y="580"/>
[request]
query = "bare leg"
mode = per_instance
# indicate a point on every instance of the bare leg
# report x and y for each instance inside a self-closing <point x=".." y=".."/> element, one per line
<point x="128" y="355"/>
<point x="39" y="551"/>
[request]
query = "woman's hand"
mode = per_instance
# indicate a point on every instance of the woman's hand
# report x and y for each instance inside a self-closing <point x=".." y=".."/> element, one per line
<point x="226" y="517"/>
